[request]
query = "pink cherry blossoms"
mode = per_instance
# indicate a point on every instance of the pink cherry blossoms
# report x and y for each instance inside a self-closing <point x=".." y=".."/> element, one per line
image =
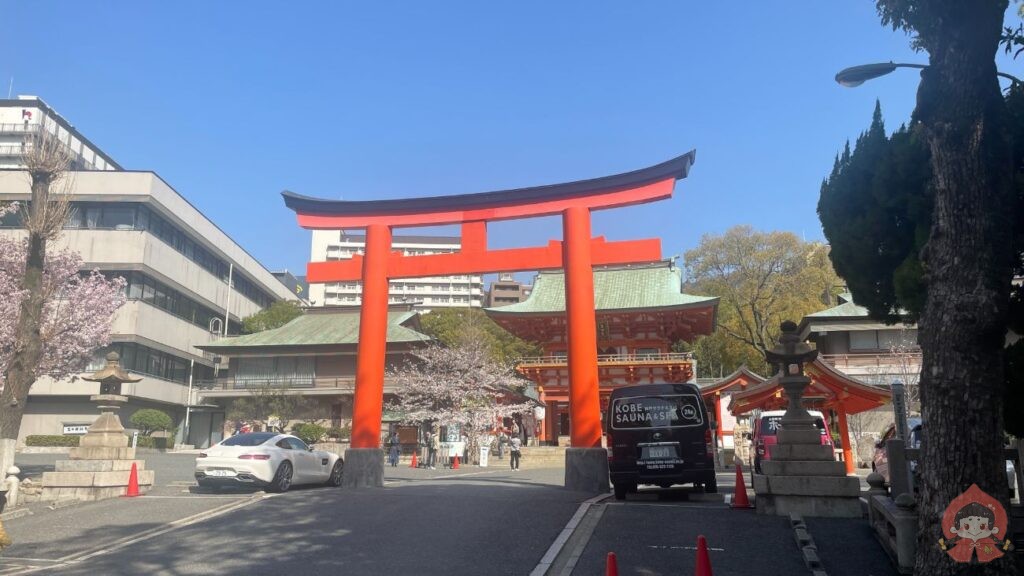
<point x="77" y="315"/>
<point x="461" y="385"/>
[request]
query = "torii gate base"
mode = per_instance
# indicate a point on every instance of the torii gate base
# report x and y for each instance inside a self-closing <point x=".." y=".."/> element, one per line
<point x="586" y="462"/>
<point x="364" y="468"/>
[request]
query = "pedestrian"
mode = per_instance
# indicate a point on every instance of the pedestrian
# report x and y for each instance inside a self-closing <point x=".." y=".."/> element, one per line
<point x="246" y="428"/>
<point x="465" y="448"/>
<point x="502" y="440"/>
<point x="393" y="450"/>
<point x="435" y="447"/>
<point x="515" y="447"/>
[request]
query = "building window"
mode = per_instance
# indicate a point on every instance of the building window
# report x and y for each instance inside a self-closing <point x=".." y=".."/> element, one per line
<point x="142" y="287"/>
<point x="863" y="340"/>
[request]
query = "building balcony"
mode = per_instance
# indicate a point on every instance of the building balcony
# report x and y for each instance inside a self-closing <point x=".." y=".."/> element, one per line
<point x="654" y="359"/>
<point x="880" y="362"/>
<point x="307" y="386"/>
<point x="18" y="128"/>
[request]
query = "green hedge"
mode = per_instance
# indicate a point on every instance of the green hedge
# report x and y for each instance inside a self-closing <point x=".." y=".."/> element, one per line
<point x="52" y="440"/>
<point x="150" y="442"/>
<point x="72" y="441"/>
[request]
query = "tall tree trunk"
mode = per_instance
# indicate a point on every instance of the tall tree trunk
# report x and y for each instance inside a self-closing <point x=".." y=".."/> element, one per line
<point x="968" y="264"/>
<point x="21" y="370"/>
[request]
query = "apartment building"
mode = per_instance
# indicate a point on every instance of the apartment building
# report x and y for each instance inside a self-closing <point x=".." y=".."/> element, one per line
<point x="507" y="290"/>
<point x="185" y="278"/>
<point x="431" y="292"/>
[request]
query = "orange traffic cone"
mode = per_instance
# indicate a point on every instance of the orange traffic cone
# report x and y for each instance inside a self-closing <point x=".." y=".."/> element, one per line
<point x="703" y="561"/>
<point x="133" y="482"/>
<point x="611" y="567"/>
<point x="413" y="464"/>
<point x="455" y="463"/>
<point x="739" y="497"/>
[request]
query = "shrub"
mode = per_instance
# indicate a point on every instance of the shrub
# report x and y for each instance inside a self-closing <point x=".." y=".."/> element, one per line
<point x="308" y="432"/>
<point x="151" y="442"/>
<point x="149" y="420"/>
<point x="52" y="440"/>
<point x="341" y="433"/>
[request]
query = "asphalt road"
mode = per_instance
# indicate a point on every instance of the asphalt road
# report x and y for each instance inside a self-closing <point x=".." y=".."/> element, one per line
<point x="454" y="522"/>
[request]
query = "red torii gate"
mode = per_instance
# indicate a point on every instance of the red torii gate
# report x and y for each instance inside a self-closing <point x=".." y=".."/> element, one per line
<point x="577" y="253"/>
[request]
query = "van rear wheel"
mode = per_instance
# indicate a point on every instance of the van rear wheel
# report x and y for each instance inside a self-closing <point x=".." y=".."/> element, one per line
<point x="711" y="485"/>
<point x="621" y="490"/>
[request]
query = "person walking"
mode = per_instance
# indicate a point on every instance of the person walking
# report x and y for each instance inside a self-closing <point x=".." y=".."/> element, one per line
<point x="515" y="447"/>
<point x="435" y="447"/>
<point x="393" y="449"/>
<point x="502" y="440"/>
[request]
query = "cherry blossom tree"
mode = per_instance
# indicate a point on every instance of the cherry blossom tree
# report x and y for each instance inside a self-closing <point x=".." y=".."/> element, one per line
<point x="462" y="384"/>
<point x="77" y="309"/>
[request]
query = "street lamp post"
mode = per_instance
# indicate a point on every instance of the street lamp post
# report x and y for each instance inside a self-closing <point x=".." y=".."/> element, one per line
<point x="856" y="75"/>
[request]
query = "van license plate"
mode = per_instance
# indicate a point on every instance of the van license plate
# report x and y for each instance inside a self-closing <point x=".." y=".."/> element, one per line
<point x="658" y="452"/>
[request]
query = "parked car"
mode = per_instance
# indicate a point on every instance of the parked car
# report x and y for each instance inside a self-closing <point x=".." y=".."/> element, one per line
<point x="767" y="425"/>
<point x="269" y="460"/>
<point x="880" y="461"/>
<point x="659" y="434"/>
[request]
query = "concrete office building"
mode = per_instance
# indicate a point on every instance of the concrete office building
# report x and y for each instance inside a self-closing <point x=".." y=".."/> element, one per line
<point x="177" y="264"/>
<point x="507" y="290"/>
<point x="26" y="115"/>
<point x="432" y="292"/>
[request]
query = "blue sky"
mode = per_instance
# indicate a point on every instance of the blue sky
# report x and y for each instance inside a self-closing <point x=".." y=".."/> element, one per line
<point x="233" y="102"/>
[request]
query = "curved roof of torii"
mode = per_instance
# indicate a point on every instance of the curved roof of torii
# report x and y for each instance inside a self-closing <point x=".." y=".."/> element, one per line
<point x="828" y="387"/>
<point x="675" y="169"/>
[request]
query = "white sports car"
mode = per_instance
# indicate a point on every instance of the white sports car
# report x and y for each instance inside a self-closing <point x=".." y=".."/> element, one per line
<point x="273" y="461"/>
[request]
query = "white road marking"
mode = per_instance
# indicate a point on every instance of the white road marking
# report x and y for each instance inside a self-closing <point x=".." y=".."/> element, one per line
<point x="149" y="534"/>
<point x="563" y="537"/>
<point x="683" y="548"/>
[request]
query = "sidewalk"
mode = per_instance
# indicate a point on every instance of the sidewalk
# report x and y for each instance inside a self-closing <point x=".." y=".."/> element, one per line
<point x="654" y="533"/>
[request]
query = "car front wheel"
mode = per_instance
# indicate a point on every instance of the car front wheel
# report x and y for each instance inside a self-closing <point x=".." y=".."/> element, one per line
<point x="335" y="478"/>
<point x="283" y="479"/>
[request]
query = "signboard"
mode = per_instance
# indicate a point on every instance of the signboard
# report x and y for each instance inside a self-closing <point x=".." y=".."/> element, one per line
<point x="77" y="429"/>
<point x="673" y="411"/>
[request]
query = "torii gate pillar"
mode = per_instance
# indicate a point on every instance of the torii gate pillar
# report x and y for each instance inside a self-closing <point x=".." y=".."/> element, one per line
<point x="586" y="463"/>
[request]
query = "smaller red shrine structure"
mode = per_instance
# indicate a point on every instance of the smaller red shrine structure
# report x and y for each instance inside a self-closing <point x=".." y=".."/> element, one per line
<point x="716" y="397"/>
<point x="829" y="389"/>
<point x="640" y="312"/>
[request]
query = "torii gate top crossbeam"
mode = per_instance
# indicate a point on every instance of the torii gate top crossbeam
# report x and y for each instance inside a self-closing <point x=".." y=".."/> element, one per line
<point x="636" y="187"/>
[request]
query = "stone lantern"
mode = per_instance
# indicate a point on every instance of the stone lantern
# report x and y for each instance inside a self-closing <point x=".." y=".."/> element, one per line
<point x="107" y="430"/>
<point x="802" y="476"/>
<point x="790" y="354"/>
<point x="100" y="467"/>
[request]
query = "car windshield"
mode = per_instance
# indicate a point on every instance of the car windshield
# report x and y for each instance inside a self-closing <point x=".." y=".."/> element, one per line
<point x="673" y="411"/>
<point x="254" y="439"/>
<point x="770" y="425"/>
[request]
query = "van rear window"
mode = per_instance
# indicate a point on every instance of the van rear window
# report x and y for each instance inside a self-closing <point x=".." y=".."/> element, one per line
<point x="674" y="411"/>
<point x="770" y="425"/>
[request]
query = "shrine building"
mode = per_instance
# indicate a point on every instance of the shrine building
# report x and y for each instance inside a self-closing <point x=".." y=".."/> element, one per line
<point x="641" y="311"/>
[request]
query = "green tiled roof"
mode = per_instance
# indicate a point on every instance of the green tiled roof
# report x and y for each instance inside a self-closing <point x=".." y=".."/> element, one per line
<point x="323" y="327"/>
<point x="650" y="286"/>
<point x="845" y="310"/>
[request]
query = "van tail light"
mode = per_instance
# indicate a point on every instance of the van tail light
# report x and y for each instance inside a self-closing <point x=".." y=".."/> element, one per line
<point x="760" y="448"/>
<point x="708" y="444"/>
<point x="254" y="457"/>
<point x="202" y="455"/>
<point x="609" y="443"/>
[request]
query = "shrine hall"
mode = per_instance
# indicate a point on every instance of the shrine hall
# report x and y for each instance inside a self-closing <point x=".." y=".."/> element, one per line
<point x="640" y="310"/>
<point x="829" y="389"/>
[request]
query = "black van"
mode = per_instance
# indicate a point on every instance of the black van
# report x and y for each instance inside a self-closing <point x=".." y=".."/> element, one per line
<point x="659" y="434"/>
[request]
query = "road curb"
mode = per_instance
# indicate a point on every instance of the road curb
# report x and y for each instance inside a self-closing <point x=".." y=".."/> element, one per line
<point x="16" y="513"/>
<point x="805" y="542"/>
<point x="563" y="537"/>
